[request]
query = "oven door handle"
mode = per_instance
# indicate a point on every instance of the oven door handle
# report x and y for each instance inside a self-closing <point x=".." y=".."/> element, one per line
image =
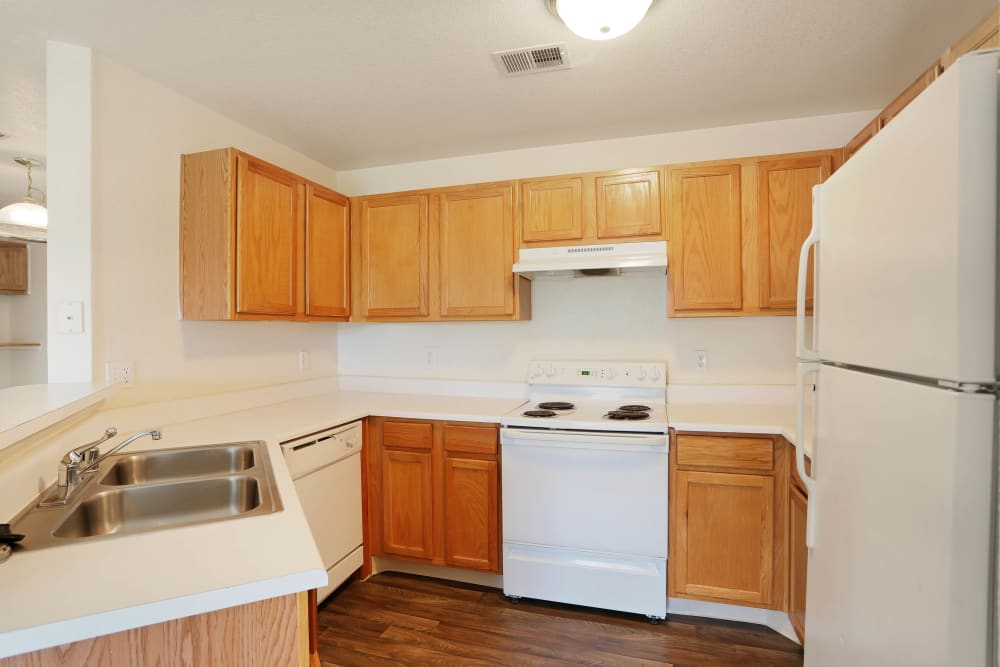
<point x="596" y="440"/>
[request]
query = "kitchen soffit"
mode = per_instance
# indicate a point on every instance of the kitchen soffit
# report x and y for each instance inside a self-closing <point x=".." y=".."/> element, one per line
<point x="356" y="84"/>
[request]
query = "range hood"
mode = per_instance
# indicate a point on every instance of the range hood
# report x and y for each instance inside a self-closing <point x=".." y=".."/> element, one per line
<point x="587" y="260"/>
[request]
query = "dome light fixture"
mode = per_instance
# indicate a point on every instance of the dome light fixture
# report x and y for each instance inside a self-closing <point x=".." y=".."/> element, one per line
<point x="27" y="219"/>
<point x="600" y="19"/>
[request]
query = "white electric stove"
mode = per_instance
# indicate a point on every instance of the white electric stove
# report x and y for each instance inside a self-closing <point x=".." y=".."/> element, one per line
<point x="585" y="487"/>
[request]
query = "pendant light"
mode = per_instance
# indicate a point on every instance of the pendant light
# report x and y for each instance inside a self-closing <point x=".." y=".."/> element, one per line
<point x="600" y="19"/>
<point x="27" y="219"/>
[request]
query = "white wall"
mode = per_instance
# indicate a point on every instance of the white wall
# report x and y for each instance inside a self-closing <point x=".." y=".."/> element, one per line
<point x="609" y="318"/>
<point x="68" y="128"/>
<point x="140" y="131"/>
<point x="28" y="322"/>
<point x="5" y="357"/>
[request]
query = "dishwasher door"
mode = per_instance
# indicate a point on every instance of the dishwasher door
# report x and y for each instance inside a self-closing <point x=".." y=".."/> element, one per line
<point x="326" y="468"/>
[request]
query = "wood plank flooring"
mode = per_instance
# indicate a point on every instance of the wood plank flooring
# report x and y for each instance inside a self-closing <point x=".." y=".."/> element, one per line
<point x="399" y="619"/>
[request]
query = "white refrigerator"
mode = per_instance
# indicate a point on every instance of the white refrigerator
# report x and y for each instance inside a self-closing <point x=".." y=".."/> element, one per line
<point x="898" y="367"/>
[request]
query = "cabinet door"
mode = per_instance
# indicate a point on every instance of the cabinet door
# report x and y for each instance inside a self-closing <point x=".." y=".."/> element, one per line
<point x="13" y="268"/>
<point x="472" y="535"/>
<point x="724" y="532"/>
<point x="552" y="209"/>
<point x="268" y="202"/>
<point x="798" y="561"/>
<point x="705" y="267"/>
<point x="328" y="244"/>
<point x="407" y="504"/>
<point x="395" y="256"/>
<point x="784" y="218"/>
<point x="629" y="205"/>
<point x="477" y="251"/>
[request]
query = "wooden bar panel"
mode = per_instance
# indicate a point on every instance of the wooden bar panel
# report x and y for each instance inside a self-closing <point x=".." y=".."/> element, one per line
<point x="409" y="435"/>
<point x="738" y="453"/>
<point x="471" y="439"/>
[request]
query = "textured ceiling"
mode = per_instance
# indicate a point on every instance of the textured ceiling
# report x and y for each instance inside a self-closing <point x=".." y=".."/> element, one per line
<point x="364" y="83"/>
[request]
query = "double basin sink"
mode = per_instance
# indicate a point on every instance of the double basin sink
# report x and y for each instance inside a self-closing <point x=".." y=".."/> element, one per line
<point x="145" y="491"/>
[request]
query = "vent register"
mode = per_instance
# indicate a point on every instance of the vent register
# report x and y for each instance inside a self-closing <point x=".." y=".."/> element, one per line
<point x="532" y="60"/>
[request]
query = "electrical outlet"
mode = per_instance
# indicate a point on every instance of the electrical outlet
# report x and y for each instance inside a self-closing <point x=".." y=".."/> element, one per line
<point x="432" y="355"/>
<point x="117" y="372"/>
<point x="701" y="360"/>
<point x="303" y="360"/>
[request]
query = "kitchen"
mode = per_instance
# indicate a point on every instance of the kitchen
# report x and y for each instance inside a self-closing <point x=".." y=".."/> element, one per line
<point x="186" y="375"/>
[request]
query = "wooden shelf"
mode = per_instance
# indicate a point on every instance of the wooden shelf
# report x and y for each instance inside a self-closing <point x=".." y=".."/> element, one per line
<point x="20" y="345"/>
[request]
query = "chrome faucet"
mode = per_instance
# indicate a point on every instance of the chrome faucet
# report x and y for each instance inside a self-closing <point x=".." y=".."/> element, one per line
<point x="84" y="459"/>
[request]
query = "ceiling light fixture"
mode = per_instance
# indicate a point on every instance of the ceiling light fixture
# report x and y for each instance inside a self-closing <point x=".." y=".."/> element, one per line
<point x="600" y="19"/>
<point x="27" y="219"/>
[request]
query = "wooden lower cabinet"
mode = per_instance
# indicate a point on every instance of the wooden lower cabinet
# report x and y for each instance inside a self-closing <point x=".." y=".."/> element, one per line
<point x="471" y="513"/>
<point x="407" y="514"/>
<point x="269" y="633"/>
<point x="433" y="492"/>
<point x="798" y="559"/>
<point x="728" y="520"/>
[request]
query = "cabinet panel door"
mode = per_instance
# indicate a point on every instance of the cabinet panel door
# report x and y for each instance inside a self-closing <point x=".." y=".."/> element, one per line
<point x="705" y="266"/>
<point x="552" y="209"/>
<point x="268" y="203"/>
<point x="477" y="251"/>
<point x="784" y="215"/>
<point x="629" y="205"/>
<point x="471" y="520"/>
<point x="724" y="527"/>
<point x="395" y="256"/>
<point x="798" y="561"/>
<point x="328" y="250"/>
<point x="13" y="268"/>
<point x="406" y="504"/>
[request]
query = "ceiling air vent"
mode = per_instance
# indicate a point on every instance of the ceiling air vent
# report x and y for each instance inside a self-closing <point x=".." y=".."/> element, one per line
<point x="532" y="60"/>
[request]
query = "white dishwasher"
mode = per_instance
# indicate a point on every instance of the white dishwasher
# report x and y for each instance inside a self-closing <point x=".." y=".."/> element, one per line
<point x="326" y="468"/>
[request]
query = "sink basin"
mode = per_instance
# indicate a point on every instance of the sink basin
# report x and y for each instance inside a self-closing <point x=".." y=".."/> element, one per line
<point x="143" y="508"/>
<point x="176" y="464"/>
<point x="140" y="492"/>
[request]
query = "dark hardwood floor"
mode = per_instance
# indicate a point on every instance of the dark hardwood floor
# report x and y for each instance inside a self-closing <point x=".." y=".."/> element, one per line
<point x="398" y="619"/>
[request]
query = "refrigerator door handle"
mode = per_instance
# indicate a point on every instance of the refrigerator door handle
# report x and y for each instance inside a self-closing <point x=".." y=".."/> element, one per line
<point x="802" y="350"/>
<point x="806" y="369"/>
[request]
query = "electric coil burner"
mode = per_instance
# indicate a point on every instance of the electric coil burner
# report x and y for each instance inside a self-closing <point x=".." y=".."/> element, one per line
<point x="556" y="405"/>
<point x="634" y="408"/>
<point x="539" y="413"/>
<point x="627" y="415"/>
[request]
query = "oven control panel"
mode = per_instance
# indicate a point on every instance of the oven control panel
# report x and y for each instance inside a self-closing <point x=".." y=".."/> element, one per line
<point x="599" y="373"/>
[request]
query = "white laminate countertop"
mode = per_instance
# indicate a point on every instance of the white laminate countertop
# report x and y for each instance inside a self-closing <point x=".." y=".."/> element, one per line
<point x="96" y="587"/>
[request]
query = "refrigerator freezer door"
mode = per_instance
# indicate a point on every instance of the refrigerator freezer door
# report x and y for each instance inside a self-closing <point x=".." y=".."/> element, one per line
<point x="907" y="237"/>
<point x="898" y="574"/>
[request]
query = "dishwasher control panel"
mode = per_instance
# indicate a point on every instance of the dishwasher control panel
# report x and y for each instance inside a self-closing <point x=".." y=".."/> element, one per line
<point x="317" y="450"/>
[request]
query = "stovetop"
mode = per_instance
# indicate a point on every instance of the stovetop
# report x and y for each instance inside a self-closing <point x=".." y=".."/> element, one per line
<point x="594" y="396"/>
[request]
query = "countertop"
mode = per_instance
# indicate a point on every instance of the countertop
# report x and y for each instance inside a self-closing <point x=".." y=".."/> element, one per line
<point x="59" y="595"/>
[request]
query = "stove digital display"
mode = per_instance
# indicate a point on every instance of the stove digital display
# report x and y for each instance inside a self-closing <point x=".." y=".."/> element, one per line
<point x="584" y="372"/>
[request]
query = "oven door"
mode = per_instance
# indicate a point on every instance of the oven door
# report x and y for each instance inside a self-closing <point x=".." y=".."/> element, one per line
<point x="585" y="490"/>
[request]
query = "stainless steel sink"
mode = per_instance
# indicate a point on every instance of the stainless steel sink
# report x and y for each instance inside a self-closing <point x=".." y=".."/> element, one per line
<point x="175" y="464"/>
<point x="155" y="490"/>
<point x="142" y="508"/>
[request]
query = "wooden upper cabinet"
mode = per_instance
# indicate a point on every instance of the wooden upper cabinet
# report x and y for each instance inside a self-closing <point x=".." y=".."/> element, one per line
<point x="725" y="532"/>
<point x="628" y="205"/>
<point x="705" y="264"/>
<point x="407" y="504"/>
<point x="471" y="513"/>
<point x="476" y="251"/>
<point x="552" y="209"/>
<point x="13" y="268"/>
<point x="395" y="256"/>
<point x="862" y="137"/>
<point x="327" y="253"/>
<point x="784" y="218"/>
<point x="268" y="202"/>
<point x="258" y="242"/>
